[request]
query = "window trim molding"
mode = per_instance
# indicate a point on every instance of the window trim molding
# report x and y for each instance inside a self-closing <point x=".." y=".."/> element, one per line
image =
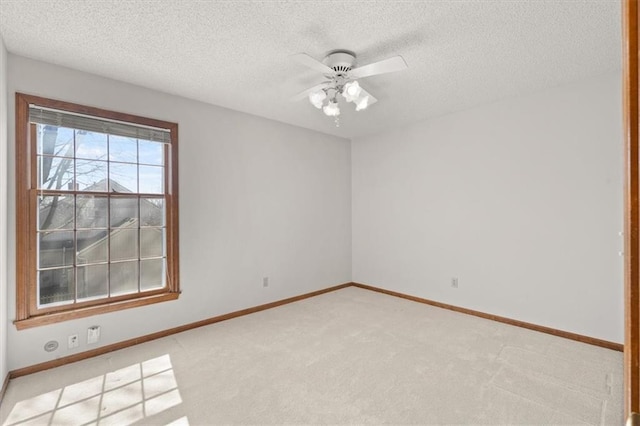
<point x="26" y="315"/>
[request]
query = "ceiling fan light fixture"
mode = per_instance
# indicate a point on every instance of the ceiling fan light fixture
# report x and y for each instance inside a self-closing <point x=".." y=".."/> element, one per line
<point x="340" y="69"/>
<point x="317" y="98"/>
<point x="362" y="103"/>
<point x="351" y="91"/>
<point x="332" y="109"/>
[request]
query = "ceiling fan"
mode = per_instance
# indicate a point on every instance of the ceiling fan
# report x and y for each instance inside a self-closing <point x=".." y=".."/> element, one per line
<point x="342" y="74"/>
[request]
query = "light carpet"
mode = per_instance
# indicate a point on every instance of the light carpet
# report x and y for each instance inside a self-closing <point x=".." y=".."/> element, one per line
<point x="351" y="356"/>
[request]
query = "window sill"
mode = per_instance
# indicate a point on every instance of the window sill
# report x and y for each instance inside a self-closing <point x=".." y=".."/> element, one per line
<point x="46" y="319"/>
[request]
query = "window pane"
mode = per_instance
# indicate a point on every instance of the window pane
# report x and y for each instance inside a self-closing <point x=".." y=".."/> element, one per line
<point x="55" y="173"/>
<point x="91" y="145"/>
<point x="123" y="149"/>
<point x="124" y="212"/>
<point x="55" y="141"/>
<point x="55" y="248"/>
<point x="123" y="177"/>
<point x="124" y="244"/>
<point x="123" y="278"/>
<point x="151" y="242"/>
<point x="91" y="211"/>
<point x="151" y="180"/>
<point x="91" y="175"/>
<point x="151" y="212"/>
<point x="93" y="246"/>
<point x="151" y="153"/>
<point x="56" y="285"/>
<point x="93" y="281"/>
<point x="55" y="212"/>
<point x="152" y="274"/>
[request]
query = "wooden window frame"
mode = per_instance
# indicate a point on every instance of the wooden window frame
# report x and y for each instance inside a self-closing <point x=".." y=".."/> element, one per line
<point x="27" y="312"/>
<point x="631" y="81"/>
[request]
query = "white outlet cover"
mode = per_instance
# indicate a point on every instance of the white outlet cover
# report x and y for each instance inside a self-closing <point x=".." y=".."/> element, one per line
<point x="93" y="334"/>
<point x="72" y="341"/>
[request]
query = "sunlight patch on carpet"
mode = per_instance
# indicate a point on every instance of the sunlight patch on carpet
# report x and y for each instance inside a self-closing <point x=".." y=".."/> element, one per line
<point x="121" y="397"/>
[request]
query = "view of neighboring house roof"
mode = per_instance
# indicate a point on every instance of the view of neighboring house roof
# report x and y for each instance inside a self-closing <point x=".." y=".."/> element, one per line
<point x="93" y="213"/>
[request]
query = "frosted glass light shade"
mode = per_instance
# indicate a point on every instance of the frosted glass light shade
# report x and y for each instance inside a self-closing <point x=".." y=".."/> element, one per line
<point x="316" y="98"/>
<point x="351" y="91"/>
<point x="362" y="103"/>
<point x="331" y="109"/>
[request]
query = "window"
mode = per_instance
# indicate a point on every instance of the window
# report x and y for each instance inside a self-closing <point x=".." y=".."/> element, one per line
<point x="97" y="211"/>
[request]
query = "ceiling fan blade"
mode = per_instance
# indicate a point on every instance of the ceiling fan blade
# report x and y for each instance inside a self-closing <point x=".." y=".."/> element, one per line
<point x="396" y="63"/>
<point x="306" y="60"/>
<point x="305" y="93"/>
<point x="372" y="100"/>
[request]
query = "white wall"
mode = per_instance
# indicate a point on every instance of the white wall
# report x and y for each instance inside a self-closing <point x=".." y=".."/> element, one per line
<point x="257" y="198"/>
<point x="3" y="212"/>
<point x="520" y="199"/>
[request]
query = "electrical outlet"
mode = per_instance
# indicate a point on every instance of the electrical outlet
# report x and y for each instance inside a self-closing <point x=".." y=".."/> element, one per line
<point x="72" y="341"/>
<point x="454" y="282"/>
<point x="265" y="282"/>
<point x="93" y="334"/>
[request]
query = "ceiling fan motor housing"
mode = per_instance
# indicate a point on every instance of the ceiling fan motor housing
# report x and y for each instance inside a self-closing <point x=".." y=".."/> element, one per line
<point x="341" y="61"/>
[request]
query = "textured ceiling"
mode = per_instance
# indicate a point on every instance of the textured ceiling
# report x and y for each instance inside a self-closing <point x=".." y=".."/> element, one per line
<point x="236" y="53"/>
